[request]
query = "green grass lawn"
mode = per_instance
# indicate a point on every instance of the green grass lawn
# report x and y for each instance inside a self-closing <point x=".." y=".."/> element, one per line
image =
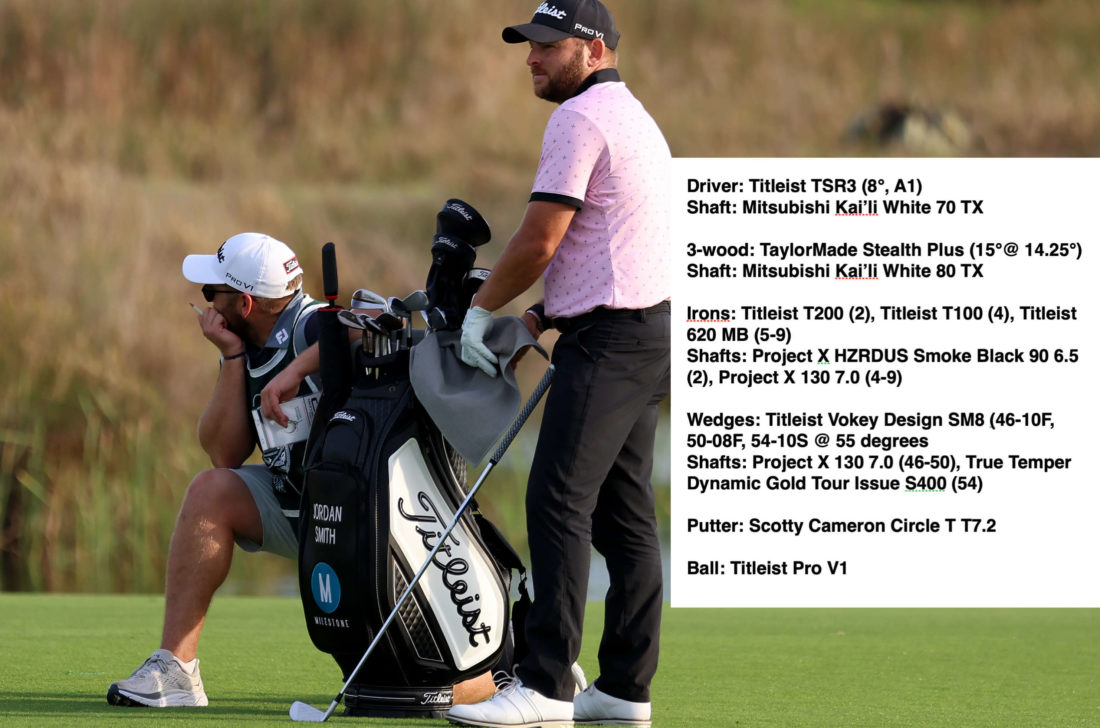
<point x="841" y="668"/>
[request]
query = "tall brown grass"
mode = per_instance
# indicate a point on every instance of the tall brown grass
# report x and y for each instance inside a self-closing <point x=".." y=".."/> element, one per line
<point x="133" y="132"/>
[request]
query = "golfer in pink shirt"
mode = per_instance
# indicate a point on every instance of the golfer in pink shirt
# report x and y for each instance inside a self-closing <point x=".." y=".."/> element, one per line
<point x="597" y="229"/>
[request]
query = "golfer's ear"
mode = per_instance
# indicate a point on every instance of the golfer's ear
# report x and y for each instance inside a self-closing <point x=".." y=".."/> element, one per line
<point x="248" y="304"/>
<point x="596" y="51"/>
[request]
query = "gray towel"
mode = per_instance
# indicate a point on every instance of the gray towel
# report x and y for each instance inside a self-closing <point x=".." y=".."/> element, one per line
<point x="469" y="407"/>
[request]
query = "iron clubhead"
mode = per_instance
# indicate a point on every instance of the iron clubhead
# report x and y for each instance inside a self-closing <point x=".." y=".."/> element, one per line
<point x="305" y="713"/>
<point x="415" y="301"/>
<point x="389" y="322"/>
<point x="364" y="299"/>
<point x="350" y="319"/>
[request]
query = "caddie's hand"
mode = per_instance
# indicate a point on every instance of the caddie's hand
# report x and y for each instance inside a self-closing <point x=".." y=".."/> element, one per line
<point x="216" y="331"/>
<point x="474" y="352"/>
<point x="282" y="388"/>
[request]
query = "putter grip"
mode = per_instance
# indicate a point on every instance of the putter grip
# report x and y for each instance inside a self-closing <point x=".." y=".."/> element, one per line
<point x="328" y="270"/>
<point x="521" y="418"/>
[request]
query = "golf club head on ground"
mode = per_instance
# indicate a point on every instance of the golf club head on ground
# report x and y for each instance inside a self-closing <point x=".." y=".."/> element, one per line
<point x="305" y="713"/>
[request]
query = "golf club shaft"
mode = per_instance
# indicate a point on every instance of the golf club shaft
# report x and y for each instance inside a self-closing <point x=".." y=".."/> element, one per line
<point x="521" y="418"/>
<point x="532" y="401"/>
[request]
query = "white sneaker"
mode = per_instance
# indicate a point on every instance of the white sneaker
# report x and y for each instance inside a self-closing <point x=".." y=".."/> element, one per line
<point x="578" y="678"/>
<point x="501" y="678"/>
<point x="594" y="707"/>
<point x="162" y="681"/>
<point x="515" y="706"/>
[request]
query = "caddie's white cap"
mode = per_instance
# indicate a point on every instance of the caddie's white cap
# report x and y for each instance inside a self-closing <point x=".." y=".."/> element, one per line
<point x="253" y="263"/>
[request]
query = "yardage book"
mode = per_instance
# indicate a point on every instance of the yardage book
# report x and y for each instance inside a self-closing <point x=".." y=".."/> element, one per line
<point x="300" y="411"/>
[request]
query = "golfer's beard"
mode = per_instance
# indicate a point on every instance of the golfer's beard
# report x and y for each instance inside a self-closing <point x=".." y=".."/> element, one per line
<point x="566" y="82"/>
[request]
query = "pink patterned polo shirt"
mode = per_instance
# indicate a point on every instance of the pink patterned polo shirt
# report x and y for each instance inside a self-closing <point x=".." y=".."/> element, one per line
<point x="603" y="153"/>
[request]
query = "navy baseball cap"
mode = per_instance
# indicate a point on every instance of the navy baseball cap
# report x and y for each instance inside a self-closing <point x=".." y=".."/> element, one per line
<point x="587" y="19"/>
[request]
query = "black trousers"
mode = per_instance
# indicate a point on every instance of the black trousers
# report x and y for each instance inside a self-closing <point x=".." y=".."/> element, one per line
<point x="590" y="486"/>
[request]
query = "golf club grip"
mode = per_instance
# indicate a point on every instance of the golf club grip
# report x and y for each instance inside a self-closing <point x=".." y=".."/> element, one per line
<point x="532" y="402"/>
<point x="328" y="271"/>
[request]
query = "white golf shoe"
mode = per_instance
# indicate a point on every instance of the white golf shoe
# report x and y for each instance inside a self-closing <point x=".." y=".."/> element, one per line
<point x="515" y="706"/>
<point x="578" y="678"/>
<point x="595" y="707"/>
<point x="162" y="681"/>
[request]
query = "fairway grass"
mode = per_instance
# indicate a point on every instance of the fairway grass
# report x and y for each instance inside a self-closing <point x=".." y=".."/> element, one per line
<point x="841" y="668"/>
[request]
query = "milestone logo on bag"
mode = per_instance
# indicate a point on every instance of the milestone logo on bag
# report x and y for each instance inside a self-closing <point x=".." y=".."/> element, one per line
<point x="326" y="587"/>
<point x="451" y="569"/>
<point x="551" y="10"/>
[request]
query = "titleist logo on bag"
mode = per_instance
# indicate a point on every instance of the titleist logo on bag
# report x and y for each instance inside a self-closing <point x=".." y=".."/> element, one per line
<point x="452" y="567"/>
<point x="436" y="698"/>
<point x="461" y="585"/>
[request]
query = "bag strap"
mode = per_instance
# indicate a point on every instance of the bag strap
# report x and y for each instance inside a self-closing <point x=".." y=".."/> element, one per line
<point x="507" y="557"/>
<point x="299" y="339"/>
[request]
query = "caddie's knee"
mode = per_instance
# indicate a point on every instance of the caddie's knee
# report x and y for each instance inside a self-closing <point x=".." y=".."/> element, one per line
<point x="216" y="494"/>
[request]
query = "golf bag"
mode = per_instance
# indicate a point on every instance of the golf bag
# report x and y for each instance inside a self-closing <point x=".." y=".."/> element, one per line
<point x="381" y="484"/>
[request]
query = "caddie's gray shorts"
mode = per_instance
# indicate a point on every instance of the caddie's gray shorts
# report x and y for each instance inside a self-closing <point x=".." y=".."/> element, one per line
<point x="279" y="537"/>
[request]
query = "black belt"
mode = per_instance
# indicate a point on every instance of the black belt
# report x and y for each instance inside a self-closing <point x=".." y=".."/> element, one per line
<point x="569" y="324"/>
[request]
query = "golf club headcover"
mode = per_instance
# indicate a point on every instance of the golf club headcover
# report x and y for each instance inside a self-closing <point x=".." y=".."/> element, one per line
<point x="460" y="220"/>
<point x="473" y="282"/>
<point x="459" y="230"/>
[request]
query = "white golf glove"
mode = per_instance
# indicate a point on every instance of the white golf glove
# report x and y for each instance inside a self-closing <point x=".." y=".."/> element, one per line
<point x="477" y="323"/>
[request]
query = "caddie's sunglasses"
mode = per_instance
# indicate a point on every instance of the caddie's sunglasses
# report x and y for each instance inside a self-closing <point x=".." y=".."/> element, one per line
<point x="208" y="292"/>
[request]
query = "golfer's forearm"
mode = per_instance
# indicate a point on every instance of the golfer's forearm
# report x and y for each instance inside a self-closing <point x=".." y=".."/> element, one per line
<point x="225" y="432"/>
<point x="517" y="270"/>
<point x="527" y="254"/>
